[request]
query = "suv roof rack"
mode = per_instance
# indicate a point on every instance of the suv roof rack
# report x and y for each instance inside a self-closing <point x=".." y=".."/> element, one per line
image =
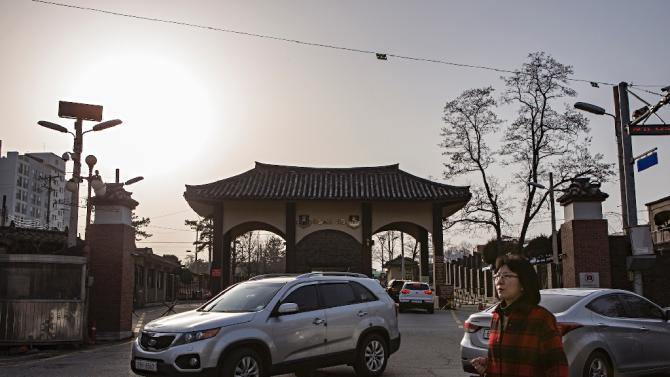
<point x="315" y="274"/>
<point x="269" y="276"/>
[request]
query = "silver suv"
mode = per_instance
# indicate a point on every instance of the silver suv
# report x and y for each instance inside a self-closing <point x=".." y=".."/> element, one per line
<point x="273" y="325"/>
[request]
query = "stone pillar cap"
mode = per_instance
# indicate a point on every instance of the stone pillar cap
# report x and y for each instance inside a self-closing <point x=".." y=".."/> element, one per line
<point x="582" y="190"/>
<point x="116" y="195"/>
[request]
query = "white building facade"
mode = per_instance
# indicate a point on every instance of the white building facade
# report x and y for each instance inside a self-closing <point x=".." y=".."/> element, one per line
<point x="32" y="186"/>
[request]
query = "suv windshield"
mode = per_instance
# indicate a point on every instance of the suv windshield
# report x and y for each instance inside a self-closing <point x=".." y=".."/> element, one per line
<point x="558" y="303"/>
<point x="245" y="297"/>
<point x="416" y="287"/>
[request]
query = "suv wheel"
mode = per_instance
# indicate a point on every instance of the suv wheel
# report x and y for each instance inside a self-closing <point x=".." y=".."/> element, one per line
<point x="243" y="362"/>
<point x="371" y="357"/>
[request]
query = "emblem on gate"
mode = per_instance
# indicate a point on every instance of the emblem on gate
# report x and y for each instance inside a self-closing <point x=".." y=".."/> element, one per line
<point x="303" y="221"/>
<point x="354" y="221"/>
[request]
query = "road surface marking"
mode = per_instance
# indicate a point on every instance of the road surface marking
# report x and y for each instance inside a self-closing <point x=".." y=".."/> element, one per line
<point x="140" y="324"/>
<point x="458" y="321"/>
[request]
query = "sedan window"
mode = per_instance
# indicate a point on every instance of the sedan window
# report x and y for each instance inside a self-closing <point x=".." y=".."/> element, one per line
<point x="558" y="303"/>
<point x="609" y="306"/>
<point x="637" y="307"/>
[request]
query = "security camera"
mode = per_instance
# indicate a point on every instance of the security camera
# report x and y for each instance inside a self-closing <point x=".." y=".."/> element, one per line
<point x="66" y="156"/>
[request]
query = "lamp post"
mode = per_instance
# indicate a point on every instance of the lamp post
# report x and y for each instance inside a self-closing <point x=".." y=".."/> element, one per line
<point x="597" y="110"/>
<point x="625" y="159"/>
<point x="79" y="112"/>
<point x="554" y="240"/>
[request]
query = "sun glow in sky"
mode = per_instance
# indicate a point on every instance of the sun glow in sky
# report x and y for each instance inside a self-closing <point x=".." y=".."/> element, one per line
<point x="199" y="105"/>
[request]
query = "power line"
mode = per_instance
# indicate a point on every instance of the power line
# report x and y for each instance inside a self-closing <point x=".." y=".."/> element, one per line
<point x="380" y="56"/>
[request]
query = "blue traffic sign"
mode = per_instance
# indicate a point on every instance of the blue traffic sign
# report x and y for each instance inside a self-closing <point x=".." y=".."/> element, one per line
<point x="647" y="162"/>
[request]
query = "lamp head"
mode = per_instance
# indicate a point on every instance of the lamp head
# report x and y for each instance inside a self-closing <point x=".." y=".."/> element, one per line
<point x="52" y="126"/>
<point x="590" y="108"/>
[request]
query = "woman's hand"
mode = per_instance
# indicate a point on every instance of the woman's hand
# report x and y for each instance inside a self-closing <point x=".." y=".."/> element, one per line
<point x="479" y="363"/>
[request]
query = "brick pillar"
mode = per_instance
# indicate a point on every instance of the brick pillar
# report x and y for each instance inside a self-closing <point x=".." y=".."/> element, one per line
<point x="584" y="238"/>
<point x="216" y="273"/>
<point x="439" y="273"/>
<point x="290" y="238"/>
<point x="586" y="245"/>
<point x="366" y="246"/>
<point x="423" y="253"/>
<point x="111" y="264"/>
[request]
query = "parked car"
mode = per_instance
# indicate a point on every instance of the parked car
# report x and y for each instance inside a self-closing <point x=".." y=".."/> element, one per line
<point x="416" y="295"/>
<point x="604" y="330"/>
<point x="394" y="287"/>
<point x="275" y="325"/>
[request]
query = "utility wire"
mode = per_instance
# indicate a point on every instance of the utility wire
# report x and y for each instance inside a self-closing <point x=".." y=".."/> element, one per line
<point x="380" y="56"/>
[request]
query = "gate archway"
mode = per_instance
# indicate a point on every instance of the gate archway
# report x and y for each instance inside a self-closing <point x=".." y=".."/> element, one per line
<point x="310" y="205"/>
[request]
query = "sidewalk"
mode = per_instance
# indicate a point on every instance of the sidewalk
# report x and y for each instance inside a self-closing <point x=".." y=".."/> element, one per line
<point x="140" y="318"/>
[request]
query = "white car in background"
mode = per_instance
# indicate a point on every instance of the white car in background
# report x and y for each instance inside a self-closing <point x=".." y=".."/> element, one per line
<point x="416" y="295"/>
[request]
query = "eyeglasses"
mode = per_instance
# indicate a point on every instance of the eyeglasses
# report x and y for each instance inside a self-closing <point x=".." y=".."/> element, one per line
<point x="504" y="276"/>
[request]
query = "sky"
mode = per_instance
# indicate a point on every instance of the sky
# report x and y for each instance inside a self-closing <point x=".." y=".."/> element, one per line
<point x="200" y="105"/>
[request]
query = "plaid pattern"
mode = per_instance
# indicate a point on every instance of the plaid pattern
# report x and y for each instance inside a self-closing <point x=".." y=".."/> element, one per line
<point x="530" y="346"/>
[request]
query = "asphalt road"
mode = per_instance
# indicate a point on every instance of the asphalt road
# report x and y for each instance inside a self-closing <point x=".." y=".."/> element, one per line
<point x="430" y="347"/>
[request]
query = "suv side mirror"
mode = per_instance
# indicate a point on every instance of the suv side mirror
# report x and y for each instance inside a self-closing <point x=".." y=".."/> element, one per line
<point x="667" y="315"/>
<point x="288" y="308"/>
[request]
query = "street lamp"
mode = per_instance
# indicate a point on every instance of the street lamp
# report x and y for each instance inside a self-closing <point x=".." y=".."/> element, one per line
<point x="79" y="112"/>
<point x="625" y="158"/>
<point x="554" y="239"/>
<point x="624" y="151"/>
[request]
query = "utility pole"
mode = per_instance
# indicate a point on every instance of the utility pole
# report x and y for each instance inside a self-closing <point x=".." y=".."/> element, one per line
<point x="49" y="190"/>
<point x="619" y="148"/>
<point x="627" y="154"/>
<point x="554" y="240"/>
<point x="630" y="204"/>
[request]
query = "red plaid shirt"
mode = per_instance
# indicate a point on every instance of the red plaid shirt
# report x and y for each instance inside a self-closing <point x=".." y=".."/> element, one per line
<point x="530" y="346"/>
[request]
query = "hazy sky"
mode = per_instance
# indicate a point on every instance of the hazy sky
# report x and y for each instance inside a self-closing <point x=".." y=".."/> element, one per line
<point x="200" y="105"/>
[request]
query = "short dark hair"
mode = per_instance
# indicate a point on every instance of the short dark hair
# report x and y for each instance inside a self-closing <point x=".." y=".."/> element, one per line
<point x="527" y="276"/>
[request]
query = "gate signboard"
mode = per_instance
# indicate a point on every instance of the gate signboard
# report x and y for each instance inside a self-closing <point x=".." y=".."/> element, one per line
<point x="649" y="130"/>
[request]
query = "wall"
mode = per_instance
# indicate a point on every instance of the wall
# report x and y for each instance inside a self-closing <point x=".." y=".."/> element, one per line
<point x="265" y="211"/>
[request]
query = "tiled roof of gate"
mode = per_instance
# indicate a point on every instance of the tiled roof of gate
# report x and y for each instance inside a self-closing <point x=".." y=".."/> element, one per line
<point x="276" y="182"/>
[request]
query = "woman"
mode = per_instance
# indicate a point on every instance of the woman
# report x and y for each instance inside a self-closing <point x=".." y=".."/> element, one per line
<point x="524" y="340"/>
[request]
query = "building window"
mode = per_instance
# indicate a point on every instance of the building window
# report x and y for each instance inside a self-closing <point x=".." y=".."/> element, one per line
<point x="151" y="278"/>
<point x="139" y="276"/>
<point x="18" y="194"/>
<point x="160" y="280"/>
<point x="17" y="208"/>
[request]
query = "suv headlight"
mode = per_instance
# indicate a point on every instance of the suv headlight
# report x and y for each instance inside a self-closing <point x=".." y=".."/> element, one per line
<point x="194" y="336"/>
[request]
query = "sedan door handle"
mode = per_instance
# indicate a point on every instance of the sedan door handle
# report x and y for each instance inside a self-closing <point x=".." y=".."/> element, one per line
<point x="318" y="321"/>
<point x="644" y="328"/>
<point x="600" y="324"/>
<point x="362" y="313"/>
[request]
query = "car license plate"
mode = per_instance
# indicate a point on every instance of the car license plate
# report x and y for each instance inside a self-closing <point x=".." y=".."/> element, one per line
<point x="417" y="301"/>
<point x="147" y="365"/>
<point x="487" y="332"/>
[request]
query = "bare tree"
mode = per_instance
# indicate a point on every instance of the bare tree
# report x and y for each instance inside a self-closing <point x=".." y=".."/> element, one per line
<point x="542" y="139"/>
<point x="469" y="121"/>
